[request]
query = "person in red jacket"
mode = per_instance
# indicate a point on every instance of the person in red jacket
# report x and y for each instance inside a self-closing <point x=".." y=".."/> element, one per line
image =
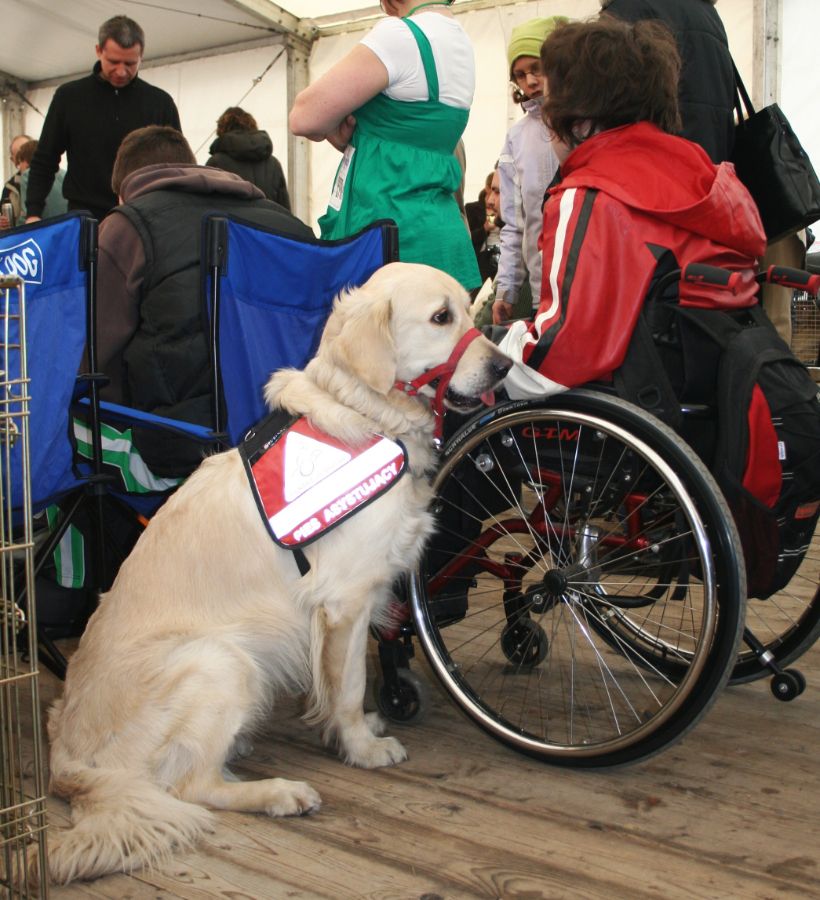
<point x="634" y="200"/>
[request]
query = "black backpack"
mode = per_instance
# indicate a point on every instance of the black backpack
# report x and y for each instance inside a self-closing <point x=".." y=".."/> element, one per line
<point x="760" y="435"/>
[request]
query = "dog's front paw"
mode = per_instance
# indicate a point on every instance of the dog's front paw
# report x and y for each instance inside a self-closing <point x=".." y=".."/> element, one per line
<point x="375" y="723"/>
<point x="376" y="752"/>
<point x="292" y="798"/>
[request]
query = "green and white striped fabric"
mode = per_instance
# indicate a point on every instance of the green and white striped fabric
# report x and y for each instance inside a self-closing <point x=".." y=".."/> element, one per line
<point x="69" y="554"/>
<point x="120" y="456"/>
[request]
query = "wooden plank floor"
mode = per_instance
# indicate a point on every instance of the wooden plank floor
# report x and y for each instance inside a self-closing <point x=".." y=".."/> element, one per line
<point x="732" y="811"/>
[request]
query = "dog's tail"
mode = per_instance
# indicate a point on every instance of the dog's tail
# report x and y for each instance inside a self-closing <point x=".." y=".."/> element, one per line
<point x="120" y="822"/>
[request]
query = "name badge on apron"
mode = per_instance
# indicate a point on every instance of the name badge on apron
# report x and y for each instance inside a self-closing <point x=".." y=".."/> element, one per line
<point x="338" y="191"/>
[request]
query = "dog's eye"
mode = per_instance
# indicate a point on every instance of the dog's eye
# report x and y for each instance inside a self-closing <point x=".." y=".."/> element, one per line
<point x="442" y="317"/>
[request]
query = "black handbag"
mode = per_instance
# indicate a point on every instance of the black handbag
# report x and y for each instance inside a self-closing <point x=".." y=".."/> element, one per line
<point x="773" y="165"/>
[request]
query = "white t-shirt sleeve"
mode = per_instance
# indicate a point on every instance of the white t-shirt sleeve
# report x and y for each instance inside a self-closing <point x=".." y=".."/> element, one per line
<point x="393" y="43"/>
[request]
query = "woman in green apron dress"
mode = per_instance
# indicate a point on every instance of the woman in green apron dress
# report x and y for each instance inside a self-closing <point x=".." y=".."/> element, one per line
<point x="398" y="160"/>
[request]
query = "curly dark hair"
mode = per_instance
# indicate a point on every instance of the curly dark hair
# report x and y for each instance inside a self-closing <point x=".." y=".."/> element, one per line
<point x="235" y="119"/>
<point x="605" y="73"/>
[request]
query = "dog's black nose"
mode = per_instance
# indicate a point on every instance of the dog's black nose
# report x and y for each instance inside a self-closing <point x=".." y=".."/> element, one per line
<point x="501" y="366"/>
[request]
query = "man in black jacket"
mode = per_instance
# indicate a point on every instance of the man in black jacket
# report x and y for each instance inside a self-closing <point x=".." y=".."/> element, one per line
<point x="89" y="117"/>
<point x="152" y="340"/>
<point x="707" y="84"/>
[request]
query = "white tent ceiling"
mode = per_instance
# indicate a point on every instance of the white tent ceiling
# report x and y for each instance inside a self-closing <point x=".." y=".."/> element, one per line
<point x="48" y="39"/>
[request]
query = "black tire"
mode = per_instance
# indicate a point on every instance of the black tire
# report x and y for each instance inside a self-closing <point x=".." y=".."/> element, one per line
<point x="406" y="702"/>
<point x="587" y="517"/>
<point x="788" y="685"/>
<point x="524" y="643"/>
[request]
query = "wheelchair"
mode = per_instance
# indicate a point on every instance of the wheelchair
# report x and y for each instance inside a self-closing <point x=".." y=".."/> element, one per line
<point x="584" y="597"/>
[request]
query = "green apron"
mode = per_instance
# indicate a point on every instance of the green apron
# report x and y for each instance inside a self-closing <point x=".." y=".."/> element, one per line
<point x="399" y="165"/>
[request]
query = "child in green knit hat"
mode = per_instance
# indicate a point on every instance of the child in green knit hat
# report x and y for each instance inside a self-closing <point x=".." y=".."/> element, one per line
<point x="526" y="167"/>
<point x="526" y="39"/>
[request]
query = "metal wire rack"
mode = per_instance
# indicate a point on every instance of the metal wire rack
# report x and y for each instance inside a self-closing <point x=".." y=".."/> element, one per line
<point x="22" y="793"/>
<point x="806" y="331"/>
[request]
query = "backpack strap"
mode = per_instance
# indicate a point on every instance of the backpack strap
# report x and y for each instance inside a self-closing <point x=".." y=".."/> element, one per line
<point x="642" y="378"/>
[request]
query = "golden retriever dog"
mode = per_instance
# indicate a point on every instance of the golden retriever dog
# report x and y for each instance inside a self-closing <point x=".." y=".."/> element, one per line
<point x="209" y="618"/>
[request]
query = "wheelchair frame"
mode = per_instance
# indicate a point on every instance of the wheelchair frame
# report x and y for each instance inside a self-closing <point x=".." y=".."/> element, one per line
<point x="552" y="612"/>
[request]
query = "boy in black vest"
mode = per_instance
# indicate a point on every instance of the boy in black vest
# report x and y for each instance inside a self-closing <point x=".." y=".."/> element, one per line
<point x="152" y="329"/>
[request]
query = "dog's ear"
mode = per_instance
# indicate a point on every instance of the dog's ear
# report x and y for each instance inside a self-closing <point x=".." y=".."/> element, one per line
<point x="364" y="345"/>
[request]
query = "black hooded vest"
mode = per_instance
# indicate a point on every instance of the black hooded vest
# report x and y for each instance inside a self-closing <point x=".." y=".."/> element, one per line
<point x="167" y="363"/>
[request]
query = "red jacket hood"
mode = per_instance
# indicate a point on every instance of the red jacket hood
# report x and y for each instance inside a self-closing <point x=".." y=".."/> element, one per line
<point x="187" y="178"/>
<point x="671" y="179"/>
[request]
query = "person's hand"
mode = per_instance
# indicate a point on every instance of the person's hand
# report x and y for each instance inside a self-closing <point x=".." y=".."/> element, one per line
<point x="4" y="223"/>
<point x="501" y="312"/>
<point x="30" y="219"/>
<point x="340" y="138"/>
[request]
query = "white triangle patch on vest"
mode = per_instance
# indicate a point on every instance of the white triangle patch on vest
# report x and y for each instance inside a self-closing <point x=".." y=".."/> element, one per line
<point x="307" y="461"/>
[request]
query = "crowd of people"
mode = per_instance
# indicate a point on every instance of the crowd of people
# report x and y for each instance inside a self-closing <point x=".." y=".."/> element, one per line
<point x="599" y="144"/>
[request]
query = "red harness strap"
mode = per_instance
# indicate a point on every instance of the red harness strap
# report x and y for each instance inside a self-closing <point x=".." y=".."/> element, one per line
<point x="444" y="373"/>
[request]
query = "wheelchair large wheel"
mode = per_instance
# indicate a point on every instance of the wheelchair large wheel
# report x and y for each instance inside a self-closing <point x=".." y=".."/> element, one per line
<point x="786" y="624"/>
<point x="583" y="597"/>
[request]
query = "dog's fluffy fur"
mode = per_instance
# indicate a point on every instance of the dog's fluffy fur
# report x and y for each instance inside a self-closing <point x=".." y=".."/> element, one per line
<point x="209" y="618"/>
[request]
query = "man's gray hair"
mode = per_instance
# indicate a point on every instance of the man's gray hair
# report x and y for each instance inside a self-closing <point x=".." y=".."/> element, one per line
<point x="123" y="31"/>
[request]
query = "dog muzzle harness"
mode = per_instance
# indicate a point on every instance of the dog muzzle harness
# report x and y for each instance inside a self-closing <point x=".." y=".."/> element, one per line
<point x="444" y="374"/>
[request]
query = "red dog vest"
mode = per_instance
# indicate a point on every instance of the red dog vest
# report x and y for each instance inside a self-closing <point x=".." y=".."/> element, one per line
<point x="306" y="482"/>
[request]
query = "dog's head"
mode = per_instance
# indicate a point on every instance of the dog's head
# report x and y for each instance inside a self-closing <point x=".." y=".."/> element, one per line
<point x="404" y="321"/>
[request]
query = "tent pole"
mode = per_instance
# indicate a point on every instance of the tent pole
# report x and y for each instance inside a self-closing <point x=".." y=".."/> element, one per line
<point x="13" y="121"/>
<point x="298" y="78"/>
<point x="767" y="30"/>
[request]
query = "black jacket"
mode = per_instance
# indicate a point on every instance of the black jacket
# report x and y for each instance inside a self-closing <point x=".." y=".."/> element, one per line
<point x="151" y="246"/>
<point x="487" y="259"/>
<point x="87" y="120"/>
<point x="707" y="84"/>
<point x="249" y="154"/>
<point x="476" y="213"/>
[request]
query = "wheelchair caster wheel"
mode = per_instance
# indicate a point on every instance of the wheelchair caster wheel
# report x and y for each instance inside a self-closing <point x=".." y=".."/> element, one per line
<point x="405" y="701"/>
<point x="524" y="643"/>
<point x="788" y="684"/>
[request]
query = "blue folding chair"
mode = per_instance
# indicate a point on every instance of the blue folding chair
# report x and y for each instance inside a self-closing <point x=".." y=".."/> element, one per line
<point x="269" y="297"/>
<point x="55" y="259"/>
